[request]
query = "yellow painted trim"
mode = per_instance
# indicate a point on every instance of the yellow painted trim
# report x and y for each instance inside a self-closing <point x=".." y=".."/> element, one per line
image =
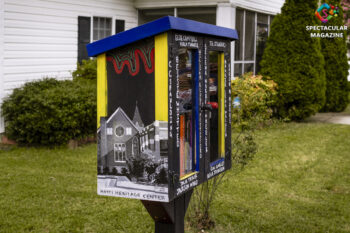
<point x="188" y="175"/>
<point x="101" y="87"/>
<point x="161" y="76"/>
<point x="221" y="98"/>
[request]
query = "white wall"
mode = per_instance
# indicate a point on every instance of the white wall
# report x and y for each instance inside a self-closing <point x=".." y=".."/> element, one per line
<point x="267" y="6"/>
<point x="40" y="38"/>
<point x="1" y="60"/>
<point x="144" y="4"/>
<point x="264" y="6"/>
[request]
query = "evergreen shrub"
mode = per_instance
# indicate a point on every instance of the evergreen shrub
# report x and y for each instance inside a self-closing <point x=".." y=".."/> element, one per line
<point x="86" y="70"/>
<point x="294" y="61"/>
<point x="336" y="66"/>
<point x="50" y="112"/>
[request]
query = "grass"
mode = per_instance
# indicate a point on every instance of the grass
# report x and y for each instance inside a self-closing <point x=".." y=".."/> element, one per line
<point x="298" y="182"/>
<point x="55" y="191"/>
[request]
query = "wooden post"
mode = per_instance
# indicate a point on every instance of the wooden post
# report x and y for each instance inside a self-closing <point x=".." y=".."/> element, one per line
<point x="169" y="217"/>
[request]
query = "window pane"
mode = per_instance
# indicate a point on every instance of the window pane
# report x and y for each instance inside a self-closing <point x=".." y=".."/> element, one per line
<point x="248" y="67"/>
<point x="100" y="34"/>
<point x="102" y="28"/>
<point x="187" y="132"/>
<point x="95" y="34"/>
<point x="102" y="23"/>
<point x="216" y="94"/>
<point x="108" y="32"/>
<point x="262" y="18"/>
<point x="238" y="70"/>
<point x="146" y="16"/>
<point x="95" y="22"/>
<point x="249" y="36"/>
<point x="201" y="14"/>
<point x="239" y="28"/>
<point x="261" y="38"/>
<point x="108" y="24"/>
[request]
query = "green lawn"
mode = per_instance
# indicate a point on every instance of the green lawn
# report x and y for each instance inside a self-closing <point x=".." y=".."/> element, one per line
<point x="298" y="182"/>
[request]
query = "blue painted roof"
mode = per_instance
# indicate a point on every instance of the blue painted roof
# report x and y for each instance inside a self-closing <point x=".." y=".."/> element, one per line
<point x="156" y="27"/>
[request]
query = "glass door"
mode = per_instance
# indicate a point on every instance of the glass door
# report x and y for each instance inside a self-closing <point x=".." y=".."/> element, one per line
<point x="217" y="103"/>
<point x="188" y="110"/>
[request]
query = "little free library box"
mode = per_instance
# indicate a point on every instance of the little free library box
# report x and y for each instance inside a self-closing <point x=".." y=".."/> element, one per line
<point x="164" y="108"/>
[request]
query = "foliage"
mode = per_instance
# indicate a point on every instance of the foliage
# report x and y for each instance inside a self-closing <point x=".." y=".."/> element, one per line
<point x="106" y="171"/>
<point x="115" y="171"/>
<point x="256" y="95"/>
<point x="336" y="66"/>
<point x="291" y="186"/>
<point x="86" y="70"/>
<point x="125" y="172"/>
<point x="151" y="168"/>
<point x="162" y="176"/>
<point x="294" y="61"/>
<point x="136" y="167"/>
<point x="346" y="13"/>
<point x="50" y="112"/>
<point x="256" y="98"/>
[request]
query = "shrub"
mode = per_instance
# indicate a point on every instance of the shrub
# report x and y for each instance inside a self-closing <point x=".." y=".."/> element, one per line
<point x="50" y="112"/>
<point x="256" y="98"/>
<point x="161" y="177"/>
<point x="86" y="70"/>
<point x="256" y="95"/>
<point x="136" y="167"/>
<point x="294" y="61"/>
<point x="336" y="67"/>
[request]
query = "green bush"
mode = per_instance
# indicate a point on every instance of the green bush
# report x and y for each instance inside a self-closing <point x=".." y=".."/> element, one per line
<point x="50" y="112"/>
<point x="86" y="70"/>
<point x="294" y="61"/>
<point x="256" y="98"/>
<point x="336" y="66"/>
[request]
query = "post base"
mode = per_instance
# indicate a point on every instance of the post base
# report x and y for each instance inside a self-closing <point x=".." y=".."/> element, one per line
<point x="169" y="217"/>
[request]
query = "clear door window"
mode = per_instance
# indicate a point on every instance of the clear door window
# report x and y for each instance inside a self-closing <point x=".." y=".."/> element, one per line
<point x="187" y="116"/>
<point x="216" y="99"/>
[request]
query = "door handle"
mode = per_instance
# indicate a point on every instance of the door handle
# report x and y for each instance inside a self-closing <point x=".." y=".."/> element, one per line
<point x="210" y="106"/>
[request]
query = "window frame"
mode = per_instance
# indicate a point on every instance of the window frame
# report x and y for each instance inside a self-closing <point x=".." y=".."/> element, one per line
<point x="117" y="153"/>
<point x="115" y="131"/>
<point x="91" y="29"/>
<point x="243" y="62"/>
<point x="112" y="17"/>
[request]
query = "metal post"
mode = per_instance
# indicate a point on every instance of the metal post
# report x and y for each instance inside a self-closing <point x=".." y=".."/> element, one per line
<point x="169" y="217"/>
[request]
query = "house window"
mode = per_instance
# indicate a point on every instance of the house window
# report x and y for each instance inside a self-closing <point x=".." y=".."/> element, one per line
<point x="119" y="152"/>
<point x="201" y="14"/>
<point x="262" y="32"/>
<point x="102" y="28"/>
<point x="95" y="28"/>
<point x="135" y="146"/>
<point x="119" y="131"/>
<point x="151" y="134"/>
<point x="252" y="29"/>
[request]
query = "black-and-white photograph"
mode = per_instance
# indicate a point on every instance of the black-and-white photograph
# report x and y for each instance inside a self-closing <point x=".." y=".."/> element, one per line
<point x="132" y="157"/>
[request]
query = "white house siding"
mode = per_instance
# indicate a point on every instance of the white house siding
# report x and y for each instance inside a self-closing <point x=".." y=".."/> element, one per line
<point x="267" y="6"/>
<point x="1" y="59"/>
<point x="145" y="4"/>
<point x="40" y="38"/>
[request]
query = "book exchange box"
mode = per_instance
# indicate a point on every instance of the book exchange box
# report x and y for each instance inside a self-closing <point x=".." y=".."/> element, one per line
<point x="164" y="108"/>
